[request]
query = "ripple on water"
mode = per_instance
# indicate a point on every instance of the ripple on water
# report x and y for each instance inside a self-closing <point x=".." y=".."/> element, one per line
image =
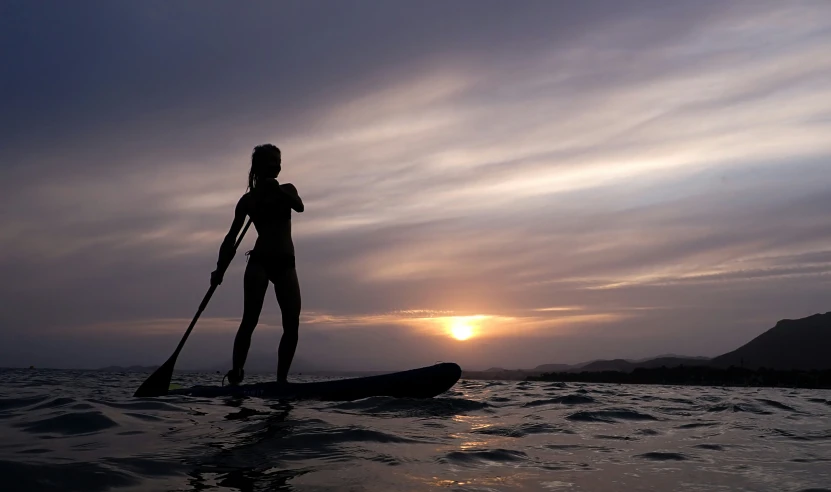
<point x="145" y="417"/>
<point x="562" y="400"/>
<point x="522" y="430"/>
<point x="64" y="477"/>
<point x="804" y="436"/>
<point x="35" y="451"/>
<point x="711" y="447"/>
<point x="647" y="432"/>
<point x="777" y="405"/>
<point x="55" y="403"/>
<point x="70" y="423"/>
<point x="610" y="416"/>
<point x="615" y="438"/>
<point x="12" y="403"/>
<point x="386" y="459"/>
<point x="663" y="456"/>
<point x="737" y="407"/>
<point x="149" y="467"/>
<point x="810" y="460"/>
<point x="484" y="457"/>
<point x="576" y="448"/>
<point x="142" y="405"/>
<point x="406" y="407"/>
<point x="324" y="437"/>
<point x="685" y="401"/>
<point x="696" y="425"/>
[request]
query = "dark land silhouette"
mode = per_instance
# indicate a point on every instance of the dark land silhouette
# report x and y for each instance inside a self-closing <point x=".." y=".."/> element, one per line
<point x="794" y="353"/>
<point x="590" y="366"/>
<point x="803" y="344"/>
<point x="628" y="366"/>
<point x="699" y="376"/>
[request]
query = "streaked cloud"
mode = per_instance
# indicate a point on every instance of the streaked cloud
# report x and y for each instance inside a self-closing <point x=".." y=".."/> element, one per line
<point x="575" y="174"/>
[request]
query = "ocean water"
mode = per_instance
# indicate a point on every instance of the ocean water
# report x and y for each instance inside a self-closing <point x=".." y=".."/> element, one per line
<point x="83" y="431"/>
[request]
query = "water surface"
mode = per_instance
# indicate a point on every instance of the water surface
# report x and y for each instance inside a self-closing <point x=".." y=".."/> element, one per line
<point x="83" y="431"/>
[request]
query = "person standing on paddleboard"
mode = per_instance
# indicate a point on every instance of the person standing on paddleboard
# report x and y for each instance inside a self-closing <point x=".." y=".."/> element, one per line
<point x="269" y="204"/>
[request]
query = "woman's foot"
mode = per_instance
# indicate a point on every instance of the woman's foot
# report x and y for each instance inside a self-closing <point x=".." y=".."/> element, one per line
<point x="235" y="376"/>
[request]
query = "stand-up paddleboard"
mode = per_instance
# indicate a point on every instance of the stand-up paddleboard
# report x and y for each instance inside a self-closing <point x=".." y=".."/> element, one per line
<point x="425" y="382"/>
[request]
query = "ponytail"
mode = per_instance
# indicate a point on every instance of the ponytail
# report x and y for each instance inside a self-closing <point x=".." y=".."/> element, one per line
<point x="261" y="155"/>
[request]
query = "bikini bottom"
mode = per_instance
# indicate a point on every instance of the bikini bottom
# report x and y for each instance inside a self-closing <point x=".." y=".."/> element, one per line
<point x="274" y="264"/>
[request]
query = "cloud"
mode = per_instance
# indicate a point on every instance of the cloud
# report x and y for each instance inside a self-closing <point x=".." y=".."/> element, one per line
<point x="510" y="162"/>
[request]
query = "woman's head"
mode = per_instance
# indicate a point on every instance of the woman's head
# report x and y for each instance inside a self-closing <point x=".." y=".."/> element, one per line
<point x="265" y="164"/>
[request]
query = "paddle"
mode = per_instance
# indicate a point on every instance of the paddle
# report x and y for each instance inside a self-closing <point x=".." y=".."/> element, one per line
<point x="158" y="382"/>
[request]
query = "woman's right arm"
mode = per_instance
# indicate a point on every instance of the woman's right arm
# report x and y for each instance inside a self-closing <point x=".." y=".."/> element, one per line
<point x="227" y="250"/>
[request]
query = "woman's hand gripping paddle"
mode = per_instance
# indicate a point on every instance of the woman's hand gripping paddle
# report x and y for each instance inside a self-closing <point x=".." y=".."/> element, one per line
<point x="159" y="382"/>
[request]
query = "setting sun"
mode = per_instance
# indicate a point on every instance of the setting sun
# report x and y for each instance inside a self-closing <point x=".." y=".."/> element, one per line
<point x="462" y="327"/>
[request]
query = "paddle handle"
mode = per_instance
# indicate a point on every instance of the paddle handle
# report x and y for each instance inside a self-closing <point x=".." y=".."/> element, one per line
<point x="205" y="299"/>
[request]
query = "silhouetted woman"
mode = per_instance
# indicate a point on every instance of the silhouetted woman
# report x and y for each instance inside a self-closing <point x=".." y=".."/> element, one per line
<point x="269" y="204"/>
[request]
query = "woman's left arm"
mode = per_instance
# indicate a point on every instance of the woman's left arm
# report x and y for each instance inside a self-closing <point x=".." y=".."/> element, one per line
<point x="290" y="192"/>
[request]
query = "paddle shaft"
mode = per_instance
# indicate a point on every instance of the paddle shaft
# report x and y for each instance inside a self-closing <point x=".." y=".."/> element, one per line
<point x="205" y="300"/>
<point x="158" y="382"/>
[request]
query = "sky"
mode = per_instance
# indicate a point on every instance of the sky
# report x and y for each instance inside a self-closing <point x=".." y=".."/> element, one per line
<point x="559" y="181"/>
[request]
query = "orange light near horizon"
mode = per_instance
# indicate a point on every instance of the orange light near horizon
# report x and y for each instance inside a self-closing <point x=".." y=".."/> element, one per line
<point x="462" y="327"/>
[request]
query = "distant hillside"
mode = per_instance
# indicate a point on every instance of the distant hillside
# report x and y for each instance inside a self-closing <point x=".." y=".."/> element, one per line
<point x="624" y="365"/>
<point x="665" y="356"/>
<point x="499" y="375"/>
<point x="791" y="344"/>
<point x="673" y="362"/>
<point x="605" y="365"/>
<point x="552" y="367"/>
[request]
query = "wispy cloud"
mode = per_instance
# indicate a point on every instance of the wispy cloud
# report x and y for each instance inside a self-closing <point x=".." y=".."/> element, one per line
<point x="587" y="169"/>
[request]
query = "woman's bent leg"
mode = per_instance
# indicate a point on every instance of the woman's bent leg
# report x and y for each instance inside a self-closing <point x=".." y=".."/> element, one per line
<point x="255" y="284"/>
<point x="288" y="296"/>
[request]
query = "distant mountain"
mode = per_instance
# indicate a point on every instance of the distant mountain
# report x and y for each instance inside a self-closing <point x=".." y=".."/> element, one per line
<point x="665" y="356"/>
<point x="499" y="374"/>
<point x="668" y="360"/>
<point x="625" y="365"/>
<point x="791" y="344"/>
<point x="621" y="365"/>
<point x="673" y="362"/>
<point x="552" y="367"/>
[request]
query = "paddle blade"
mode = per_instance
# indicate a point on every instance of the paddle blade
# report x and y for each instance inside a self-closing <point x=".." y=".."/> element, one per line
<point x="158" y="382"/>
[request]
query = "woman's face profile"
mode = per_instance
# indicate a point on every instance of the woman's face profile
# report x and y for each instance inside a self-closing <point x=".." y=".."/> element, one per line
<point x="272" y="166"/>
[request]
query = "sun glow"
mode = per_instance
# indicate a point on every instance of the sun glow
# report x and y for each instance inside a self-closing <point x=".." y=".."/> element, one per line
<point x="462" y="327"/>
